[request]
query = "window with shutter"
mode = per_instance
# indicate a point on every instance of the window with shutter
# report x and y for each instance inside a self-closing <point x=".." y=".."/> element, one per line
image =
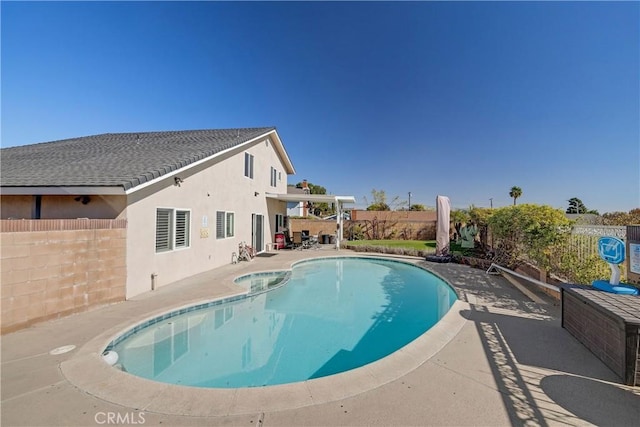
<point x="182" y="229"/>
<point x="173" y="229"/>
<point x="163" y="230"/>
<point x="220" y="229"/>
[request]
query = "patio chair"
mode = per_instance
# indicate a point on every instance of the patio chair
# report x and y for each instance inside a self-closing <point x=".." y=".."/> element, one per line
<point x="313" y="241"/>
<point x="305" y="239"/>
<point x="288" y="242"/>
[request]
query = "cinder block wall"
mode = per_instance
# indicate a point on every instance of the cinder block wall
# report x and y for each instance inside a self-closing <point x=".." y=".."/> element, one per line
<point x="314" y="226"/>
<point x="418" y="230"/>
<point x="408" y="230"/>
<point x="55" y="272"/>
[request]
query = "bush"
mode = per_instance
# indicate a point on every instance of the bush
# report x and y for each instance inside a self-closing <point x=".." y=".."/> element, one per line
<point x="577" y="261"/>
<point x="528" y="232"/>
<point x="575" y="269"/>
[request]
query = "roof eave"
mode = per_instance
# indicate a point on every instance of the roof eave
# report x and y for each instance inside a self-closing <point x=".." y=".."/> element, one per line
<point x="282" y="152"/>
<point x="62" y="190"/>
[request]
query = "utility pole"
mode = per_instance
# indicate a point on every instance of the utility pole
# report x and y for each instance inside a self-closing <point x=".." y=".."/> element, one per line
<point x="409" y="200"/>
<point x="491" y="201"/>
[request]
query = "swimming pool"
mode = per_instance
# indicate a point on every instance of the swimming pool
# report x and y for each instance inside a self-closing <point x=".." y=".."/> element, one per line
<point x="333" y="315"/>
<point x="259" y="282"/>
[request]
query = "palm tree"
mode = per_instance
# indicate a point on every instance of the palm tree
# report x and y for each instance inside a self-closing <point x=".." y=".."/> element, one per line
<point x="515" y="193"/>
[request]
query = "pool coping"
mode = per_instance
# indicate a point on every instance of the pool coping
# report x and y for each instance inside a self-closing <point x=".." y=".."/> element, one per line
<point x="88" y="372"/>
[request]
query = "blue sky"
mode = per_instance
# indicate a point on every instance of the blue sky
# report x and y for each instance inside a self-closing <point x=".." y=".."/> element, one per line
<point x="463" y="99"/>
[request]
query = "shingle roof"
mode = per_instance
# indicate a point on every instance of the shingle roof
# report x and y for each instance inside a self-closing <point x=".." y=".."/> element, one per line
<point x="114" y="159"/>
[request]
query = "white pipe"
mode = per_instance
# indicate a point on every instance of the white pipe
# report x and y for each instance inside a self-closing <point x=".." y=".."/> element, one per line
<point x="513" y="273"/>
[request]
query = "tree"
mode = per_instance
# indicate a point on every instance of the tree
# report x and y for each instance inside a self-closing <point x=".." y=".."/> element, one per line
<point x="417" y="207"/>
<point x="313" y="189"/>
<point x="380" y="201"/>
<point x="622" y="218"/>
<point x="480" y="217"/>
<point x="458" y="217"/>
<point x="576" y="206"/>
<point x="528" y="232"/>
<point x="515" y="193"/>
<point x="382" y="226"/>
<point x="378" y="207"/>
<point x="317" y="208"/>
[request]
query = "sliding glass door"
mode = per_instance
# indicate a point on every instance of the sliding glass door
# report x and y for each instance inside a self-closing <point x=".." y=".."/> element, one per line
<point x="257" y="232"/>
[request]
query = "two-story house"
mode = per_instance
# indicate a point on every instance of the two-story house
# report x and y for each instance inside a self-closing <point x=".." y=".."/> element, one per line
<point x="189" y="197"/>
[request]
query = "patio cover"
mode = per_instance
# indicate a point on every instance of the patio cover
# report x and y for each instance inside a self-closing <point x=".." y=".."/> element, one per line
<point x="319" y="198"/>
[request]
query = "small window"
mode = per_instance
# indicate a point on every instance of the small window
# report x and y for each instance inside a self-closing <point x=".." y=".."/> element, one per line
<point x="173" y="228"/>
<point x="163" y="230"/>
<point x="230" y="224"/>
<point x="279" y="176"/>
<point x="219" y="225"/>
<point x="225" y="224"/>
<point x="273" y="177"/>
<point x="248" y="165"/>
<point x="182" y="229"/>
<point x="279" y="222"/>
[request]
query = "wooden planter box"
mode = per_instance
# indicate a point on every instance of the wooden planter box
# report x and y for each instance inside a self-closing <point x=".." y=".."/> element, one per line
<point x="608" y="325"/>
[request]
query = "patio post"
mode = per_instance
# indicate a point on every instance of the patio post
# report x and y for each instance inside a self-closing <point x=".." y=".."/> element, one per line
<point x="338" y="223"/>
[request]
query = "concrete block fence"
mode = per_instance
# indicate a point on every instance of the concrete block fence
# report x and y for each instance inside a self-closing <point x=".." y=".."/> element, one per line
<point x="53" y="268"/>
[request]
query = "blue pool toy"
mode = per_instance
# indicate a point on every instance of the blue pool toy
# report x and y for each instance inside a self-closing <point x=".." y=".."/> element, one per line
<point x="603" y="285"/>
<point x="612" y="250"/>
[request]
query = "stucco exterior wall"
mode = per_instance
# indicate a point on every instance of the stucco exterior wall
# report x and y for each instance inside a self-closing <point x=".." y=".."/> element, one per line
<point x="63" y="207"/>
<point x="216" y="185"/>
<point x="17" y="207"/>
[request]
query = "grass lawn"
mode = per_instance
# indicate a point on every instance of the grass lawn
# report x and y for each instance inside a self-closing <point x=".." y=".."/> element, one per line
<point x="419" y="245"/>
<point x="408" y="244"/>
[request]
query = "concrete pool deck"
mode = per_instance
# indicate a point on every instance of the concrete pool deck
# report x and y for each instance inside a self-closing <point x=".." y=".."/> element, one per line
<point x="497" y="358"/>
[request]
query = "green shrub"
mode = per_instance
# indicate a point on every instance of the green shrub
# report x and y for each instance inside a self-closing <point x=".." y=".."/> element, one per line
<point x="528" y="232"/>
<point x="577" y="261"/>
<point x="576" y="269"/>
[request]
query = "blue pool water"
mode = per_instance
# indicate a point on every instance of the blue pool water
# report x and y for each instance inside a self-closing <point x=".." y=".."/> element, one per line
<point x="332" y="315"/>
<point x="260" y="282"/>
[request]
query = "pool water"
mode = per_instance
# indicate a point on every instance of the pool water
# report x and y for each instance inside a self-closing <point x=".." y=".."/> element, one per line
<point x="260" y="282"/>
<point x="333" y="315"/>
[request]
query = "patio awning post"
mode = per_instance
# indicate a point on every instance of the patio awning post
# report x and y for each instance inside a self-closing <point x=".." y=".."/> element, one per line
<point x="338" y="223"/>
